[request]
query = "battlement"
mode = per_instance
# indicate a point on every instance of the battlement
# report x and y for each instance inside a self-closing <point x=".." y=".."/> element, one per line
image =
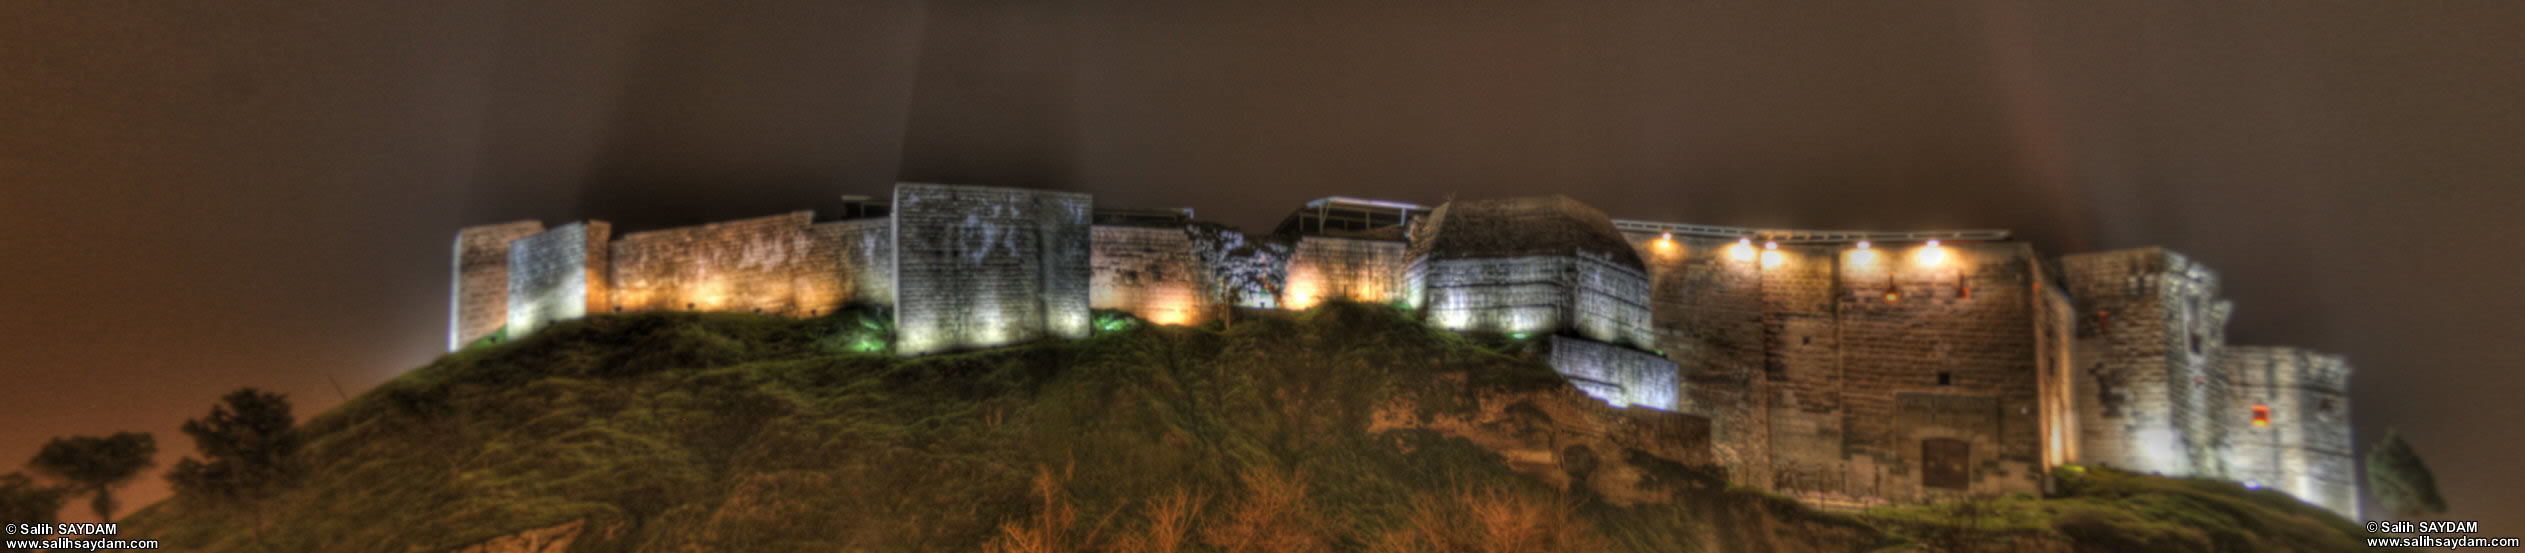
<point x="1835" y="366"/>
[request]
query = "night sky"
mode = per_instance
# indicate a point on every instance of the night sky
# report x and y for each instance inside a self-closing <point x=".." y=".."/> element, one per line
<point x="199" y="196"/>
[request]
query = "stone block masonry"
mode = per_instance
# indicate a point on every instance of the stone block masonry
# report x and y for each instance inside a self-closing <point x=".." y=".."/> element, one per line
<point x="777" y="265"/>
<point x="1620" y="376"/>
<point x="1528" y="265"/>
<point x="2291" y="413"/>
<point x="1353" y="269"/>
<point x="1897" y="372"/>
<point x="861" y="253"/>
<point x="478" y="295"/>
<point x="981" y="267"/>
<point x="1150" y="272"/>
<point x="556" y="275"/>
<point x="2148" y="336"/>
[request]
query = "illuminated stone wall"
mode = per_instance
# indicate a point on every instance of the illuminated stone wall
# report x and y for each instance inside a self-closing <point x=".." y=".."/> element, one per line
<point x="1528" y="265"/>
<point x="2055" y="325"/>
<point x="478" y="295"/>
<point x="1953" y="356"/>
<point x="1833" y="373"/>
<point x="1150" y="272"/>
<point x="556" y="275"/>
<point x="860" y="253"/>
<point x="1325" y="267"/>
<point x="777" y="265"/>
<point x="1618" y="375"/>
<point x="2305" y="449"/>
<point x="980" y="267"/>
<point x="2150" y="328"/>
<point x="1707" y="310"/>
<point x="1820" y="387"/>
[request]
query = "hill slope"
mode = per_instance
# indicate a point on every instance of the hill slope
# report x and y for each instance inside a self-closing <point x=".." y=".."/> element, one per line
<point x="1344" y="428"/>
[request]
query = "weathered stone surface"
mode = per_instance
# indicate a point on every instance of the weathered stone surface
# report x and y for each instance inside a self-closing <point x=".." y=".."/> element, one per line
<point x="1151" y="272"/>
<point x="478" y="300"/>
<point x="556" y="275"/>
<point x="1353" y="269"/>
<point x="1530" y="265"/>
<point x="1800" y="362"/>
<point x="981" y="267"/>
<point x="778" y="265"/>
<point x="2305" y="447"/>
<point x="2150" y="329"/>
<point x="1620" y="376"/>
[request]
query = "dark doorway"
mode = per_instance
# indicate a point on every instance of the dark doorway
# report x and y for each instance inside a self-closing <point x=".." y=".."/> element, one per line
<point x="1946" y="463"/>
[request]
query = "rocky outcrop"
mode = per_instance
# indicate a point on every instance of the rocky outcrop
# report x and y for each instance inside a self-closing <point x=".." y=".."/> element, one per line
<point x="1629" y="455"/>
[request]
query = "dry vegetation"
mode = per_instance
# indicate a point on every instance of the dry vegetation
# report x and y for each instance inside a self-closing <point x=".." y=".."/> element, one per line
<point x="1271" y="513"/>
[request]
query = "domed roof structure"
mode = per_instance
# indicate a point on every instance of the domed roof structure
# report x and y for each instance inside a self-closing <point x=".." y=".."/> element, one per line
<point x="1522" y="227"/>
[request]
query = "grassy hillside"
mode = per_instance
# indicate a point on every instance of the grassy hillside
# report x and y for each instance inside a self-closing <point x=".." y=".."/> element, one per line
<point x="730" y="432"/>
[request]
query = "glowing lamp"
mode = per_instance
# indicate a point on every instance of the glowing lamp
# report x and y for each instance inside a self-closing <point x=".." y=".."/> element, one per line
<point x="1892" y="295"/>
<point x="1770" y="254"/>
<point x="2261" y="416"/>
<point x="1742" y="251"/>
<point x="1864" y="256"/>
<point x="2252" y="485"/>
<point x="1933" y="254"/>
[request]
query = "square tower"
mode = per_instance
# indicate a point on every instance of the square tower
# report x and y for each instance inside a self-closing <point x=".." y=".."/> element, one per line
<point x="979" y="266"/>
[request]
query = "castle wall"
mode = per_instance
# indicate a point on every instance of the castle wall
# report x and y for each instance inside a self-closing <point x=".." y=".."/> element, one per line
<point x="556" y="275"/>
<point x="1949" y="358"/>
<point x="478" y="299"/>
<point x="1818" y="386"/>
<point x="1830" y="372"/>
<point x="2306" y="448"/>
<point x="2150" y="328"/>
<point x="859" y="253"/>
<point x="1600" y="300"/>
<point x="981" y="267"/>
<point x="1324" y="267"/>
<point x="1150" y="272"/>
<point x="2055" y="323"/>
<point x="1618" y="375"/>
<point x="1708" y="313"/>
<point x="771" y="265"/>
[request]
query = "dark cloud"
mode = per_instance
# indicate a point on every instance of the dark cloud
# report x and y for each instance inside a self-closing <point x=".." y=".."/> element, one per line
<point x="199" y="197"/>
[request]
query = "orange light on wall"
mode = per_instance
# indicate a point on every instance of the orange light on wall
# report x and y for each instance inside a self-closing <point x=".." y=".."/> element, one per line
<point x="1742" y="251"/>
<point x="1771" y="254"/>
<point x="1303" y="293"/>
<point x="1932" y="254"/>
<point x="2261" y="416"/>
<point x="1864" y="256"/>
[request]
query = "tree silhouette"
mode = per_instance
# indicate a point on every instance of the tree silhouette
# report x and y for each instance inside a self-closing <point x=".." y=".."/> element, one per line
<point x="2400" y="481"/>
<point x="249" y="450"/>
<point x="1243" y="271"/>
<point x="22" y="500"/>
<point x="96" y="465"/>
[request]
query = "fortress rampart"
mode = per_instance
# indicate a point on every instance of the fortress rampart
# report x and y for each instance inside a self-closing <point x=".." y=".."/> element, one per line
<point x="1845" y="368"/>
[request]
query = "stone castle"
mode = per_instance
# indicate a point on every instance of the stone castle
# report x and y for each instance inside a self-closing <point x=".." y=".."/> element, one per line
<point x="1843" y="368"/>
